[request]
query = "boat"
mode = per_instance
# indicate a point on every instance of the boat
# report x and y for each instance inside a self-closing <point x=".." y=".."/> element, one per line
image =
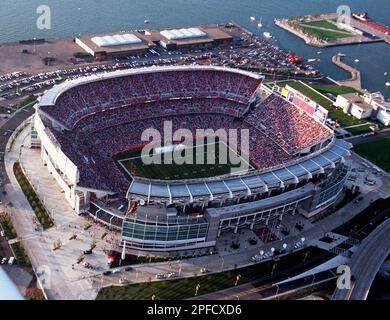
<point x="260" y="24"/>
<point x="146" y="21"/>
<point x="341" y="55"/>
<point x="387" y="84"/>
<point x="319" y="52"/>
<point x="313" y="60"/>
<point x="357" y="60"/>
<point x="385" y="74"/>
<point x="267" y="35"/>
<point x="253" y="18"/>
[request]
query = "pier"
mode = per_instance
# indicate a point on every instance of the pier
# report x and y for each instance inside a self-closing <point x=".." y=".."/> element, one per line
<point x="355" y="80"/>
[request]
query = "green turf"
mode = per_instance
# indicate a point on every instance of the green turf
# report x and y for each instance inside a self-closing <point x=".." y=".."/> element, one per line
<point x="343" y="119"/>
<point x="376" y="151"/>
<point x="324" y="30"/>
<point x="332" y="89"/>
<point x="324" y="24"/>
<point x="133" y="163"/>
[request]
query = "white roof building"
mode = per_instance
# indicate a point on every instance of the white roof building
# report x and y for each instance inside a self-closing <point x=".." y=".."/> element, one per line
<point x="116" y="40"/>
<point x="177" y="34"/>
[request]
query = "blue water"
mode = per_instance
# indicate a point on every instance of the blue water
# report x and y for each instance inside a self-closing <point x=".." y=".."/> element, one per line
<point x="73" y="17"/>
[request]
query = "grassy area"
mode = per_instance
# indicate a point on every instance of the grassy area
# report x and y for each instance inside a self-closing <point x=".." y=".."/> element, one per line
<point x="185" y="288"/>
<point x="343" y="119"/>
<point x="20" y="254"/>
<point x="324" y="30"/>
<point x="360" y="129"/>
<point x="323" y="24"/>
<point x="376" y="151"/>
<point x="332" y="89"/>
<point x="36" y="204"/>
<point x="310" y="93"/>
<point x="7" y="226"/>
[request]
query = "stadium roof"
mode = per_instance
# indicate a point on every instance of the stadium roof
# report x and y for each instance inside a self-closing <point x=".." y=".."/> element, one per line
<point x="116" y="40"/>
<point x="177" y="34"/>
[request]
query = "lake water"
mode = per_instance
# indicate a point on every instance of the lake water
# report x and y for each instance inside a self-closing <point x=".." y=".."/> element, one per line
<point x="73" y="17"/>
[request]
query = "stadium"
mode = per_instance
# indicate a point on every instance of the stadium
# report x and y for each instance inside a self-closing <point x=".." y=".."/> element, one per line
<point x="90" y="134"/>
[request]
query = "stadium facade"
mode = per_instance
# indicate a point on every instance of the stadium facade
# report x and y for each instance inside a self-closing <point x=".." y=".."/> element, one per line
<point x="82" y="124"/>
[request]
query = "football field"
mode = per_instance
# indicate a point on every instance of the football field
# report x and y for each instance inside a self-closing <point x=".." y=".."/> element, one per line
<point x="202" y="160"/>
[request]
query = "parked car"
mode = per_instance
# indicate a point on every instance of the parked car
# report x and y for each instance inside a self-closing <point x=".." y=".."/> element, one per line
<point x="172" y="275"/>
<point x="4" y="260"/>
<point x="204" y="270"/>
<point x="107" y="273"/>
<point x="129" y="269"/>
<point x="160" y="276"/>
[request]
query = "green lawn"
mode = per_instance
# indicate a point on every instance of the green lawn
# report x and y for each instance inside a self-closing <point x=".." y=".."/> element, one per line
<point x="377" y="152"/>
<point x="343" y="119"/>
<point x="324" y="30"/>
<point x="185" y="288"/>
<point x="323" y="24"/>
<point x="332" y="89"/>
<point x="360" y="129"/>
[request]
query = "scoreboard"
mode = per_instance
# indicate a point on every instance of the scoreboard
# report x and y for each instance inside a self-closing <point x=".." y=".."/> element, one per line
<point x="304" y="103"/>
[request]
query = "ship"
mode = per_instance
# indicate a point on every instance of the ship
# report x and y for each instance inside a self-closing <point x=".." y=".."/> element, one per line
<point x="267" y="35"/>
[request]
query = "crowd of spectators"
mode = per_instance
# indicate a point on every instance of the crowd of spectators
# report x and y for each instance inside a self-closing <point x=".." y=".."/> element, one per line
<point x="107" y="118"/>
<point x="292" y="129"/>
<point x="80" y="101"/>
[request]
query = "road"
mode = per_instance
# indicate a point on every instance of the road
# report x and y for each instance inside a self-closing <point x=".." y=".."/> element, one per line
<point x="365" y="263"/>
<point x="264" y="291"/>
<point x="369" y="138"/>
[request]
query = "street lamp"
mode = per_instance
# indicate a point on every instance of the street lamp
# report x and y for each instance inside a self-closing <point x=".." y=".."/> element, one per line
<point x="197" y="289"/>
<point x="273" y="268"/>
<point x="277" y="289"/>
<point x="237" y="279"/>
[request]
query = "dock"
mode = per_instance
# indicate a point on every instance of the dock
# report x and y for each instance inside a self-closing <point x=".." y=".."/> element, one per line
<point x="355" y="80"/>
